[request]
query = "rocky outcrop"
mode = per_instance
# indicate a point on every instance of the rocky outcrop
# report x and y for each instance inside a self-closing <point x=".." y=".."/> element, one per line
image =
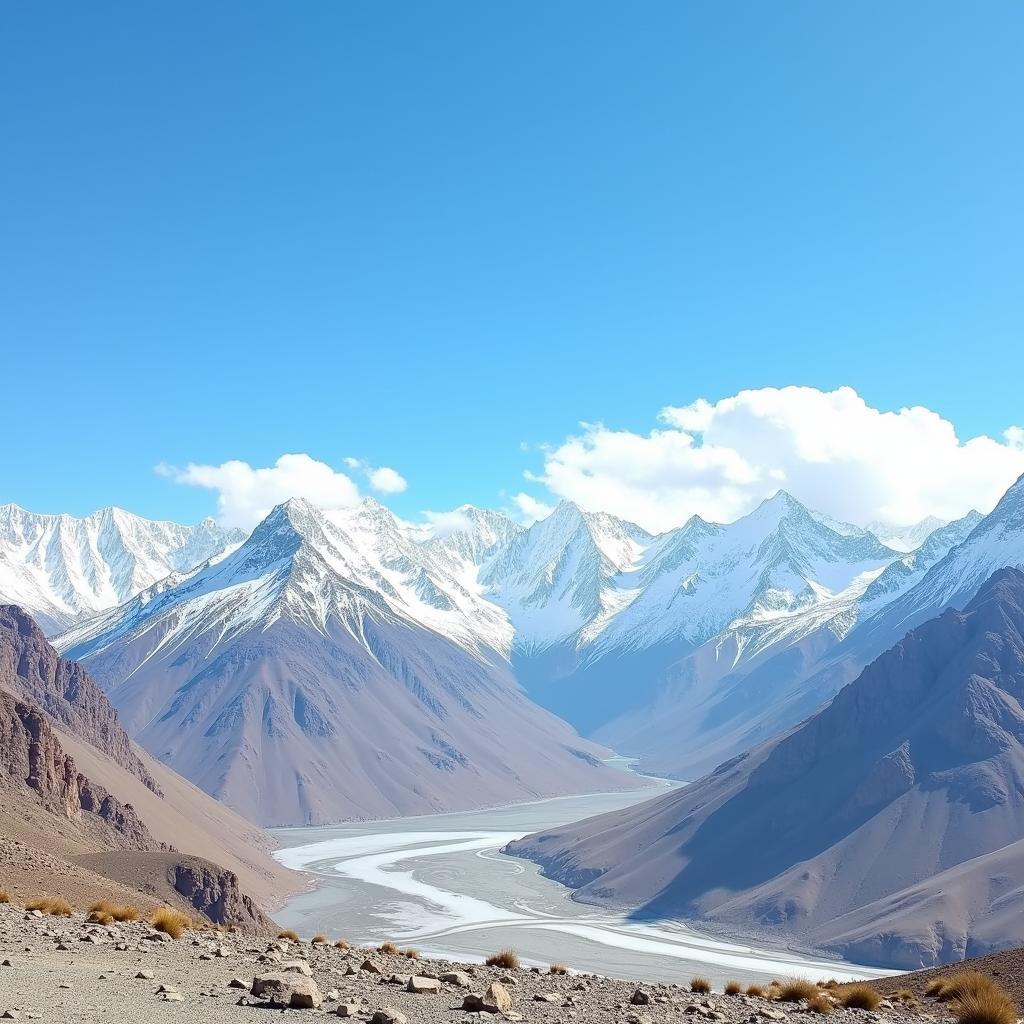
<point x="32" y="757"/>
<point x="215" y="893"/>
<point x="31" y="669"/>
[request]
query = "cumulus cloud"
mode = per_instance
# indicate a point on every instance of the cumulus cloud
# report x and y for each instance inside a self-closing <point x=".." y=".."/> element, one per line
<point x="383" y="479"/>
<point x="530" y="509"/>
<point x="830" y="449"/>
<point x="245" y="494"/>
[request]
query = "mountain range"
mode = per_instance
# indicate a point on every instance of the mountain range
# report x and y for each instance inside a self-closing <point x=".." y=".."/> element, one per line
<point x="346" y="663"/>
<point x="886" y="828"/>
<point x="62" y="569"/>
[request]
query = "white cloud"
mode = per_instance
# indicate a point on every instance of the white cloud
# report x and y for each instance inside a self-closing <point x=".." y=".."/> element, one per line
<point x="830" y="449"/>
<point x="444" y="524"/>
<point x="246" y="494"/>
<point x="530" y="509"/>
<point x="383" y="479"/>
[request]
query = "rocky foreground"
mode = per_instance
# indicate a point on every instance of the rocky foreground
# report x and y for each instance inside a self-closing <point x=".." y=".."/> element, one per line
<point x="68" y="969"/>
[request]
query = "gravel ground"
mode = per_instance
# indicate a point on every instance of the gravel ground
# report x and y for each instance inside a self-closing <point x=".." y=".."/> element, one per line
<point x="65" y="969"/>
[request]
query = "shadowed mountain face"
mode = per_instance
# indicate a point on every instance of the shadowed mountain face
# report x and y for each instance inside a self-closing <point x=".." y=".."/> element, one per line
<point x="837" y="831"/>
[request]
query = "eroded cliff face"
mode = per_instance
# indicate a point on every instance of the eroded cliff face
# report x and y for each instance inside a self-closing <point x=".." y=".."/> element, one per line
<point x="32" y="758"/>
<point x="31" y="669"/>
<point x="215" y="892"/>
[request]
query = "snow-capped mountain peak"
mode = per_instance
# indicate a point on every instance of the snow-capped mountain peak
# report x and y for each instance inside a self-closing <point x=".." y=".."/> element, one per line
<point x="63" y="568"/>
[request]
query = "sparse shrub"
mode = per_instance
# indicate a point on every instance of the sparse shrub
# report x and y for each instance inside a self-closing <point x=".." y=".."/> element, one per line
<point x="965" y="983"/>
<point x="860" y="997"/>
<point x="701" y="985"/>
<point x="388" y="947"/>
<point x="343" y="944"/>
<point x="124" y="912"/>
<point x="507" y="958"/>
<point x="820" y="1003"/>
<point x="985" y="1005"/>
<point x="288" y="935"/>
<point x="318" y="940"/>
<point x="101" y="907"/>
<point x="170" y="921"/>
<point x="558" y="969"/>
<point x="412" y="954"/>
<point x="50" y="905"/>
<point x="756" y="990"/>
<point x="935" y="987"/>
<point x="5" y="896"/>
<point x="100" y="917"/>
<point x="732" y="988"/>
<point x="794" y="989"/>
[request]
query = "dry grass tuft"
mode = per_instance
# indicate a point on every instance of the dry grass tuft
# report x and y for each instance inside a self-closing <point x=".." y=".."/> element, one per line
<point x="170" y="921"/>
<point x="103" y="912"/>
<point x="558" y="969"/>
<point x="5" y="896"/>
<point x="701" y="985"/>
<point x="52" y="905"/>
<point x="343" y="944"/>
<point x="985" y="1005"/>
<point x="965" y="983"/>
<point x="935" y="987"/>
<point x="507" y="958"/>
<point x="860" y="997"/>
<point x="756" y="990"/>
<point x="732" y="988"/>
<point x="794" y="989"/>
<point x="412" y="953"/>
<point x="289" y="936"/>
<point x="820" y="1004"/>
<point x="318" y="940"/>
<point x="388" y="947"/>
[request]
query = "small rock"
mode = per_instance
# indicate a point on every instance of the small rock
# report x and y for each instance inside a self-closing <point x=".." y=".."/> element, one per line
<point x="640" y="998"/>
<point x="145" y="975"/>
<point x="422" y="985"/>
<point x="173" y="997"/>
<point x="298" y="966"/>
<point x="459" y="978"/>
<point x="237" y="983"/>
<point x="370" y="967"/>
<point x="348" y="1009"/>
<point x="388" y="1015"/>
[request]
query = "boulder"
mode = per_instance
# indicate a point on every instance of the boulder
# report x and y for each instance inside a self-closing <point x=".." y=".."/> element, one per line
<point x="423" y="985"/>
<point x="292" y="989"/>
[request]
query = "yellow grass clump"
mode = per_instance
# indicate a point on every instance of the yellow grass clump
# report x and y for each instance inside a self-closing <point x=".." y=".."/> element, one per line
<point x="820" y="1003"/>
<point x="5" y="896"/>
<point x="170" y="921"/>
<point x="53" y="905"/>
<point x="964" y="983"/>
<point x="756" y="990"/>
<point x="412" y="954"/>
<point x="935" y="987"/>
<point x="104" y="911"/>
<point x="860" y="997"/>
<point x="701" y="985"/>
<point x="388" y="947"/>
<point x="343" y="944"/>
<point x="318" y="940"/>
<point x="985" y="1005"/>
<point x="507" y="958"/>
<point x="792" y="990"/>
<point x="288" y="935"/>
<point x="732" y="988"/>
<point x="558" y="969"/>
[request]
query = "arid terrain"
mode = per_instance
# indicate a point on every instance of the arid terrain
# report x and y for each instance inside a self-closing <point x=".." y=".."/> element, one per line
<point x="68" y="969"/>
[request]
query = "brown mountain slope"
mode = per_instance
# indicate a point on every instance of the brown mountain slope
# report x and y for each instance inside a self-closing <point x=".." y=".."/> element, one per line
<point x="887" y="827"/>
<point x="76" y="791"/>
<point x="32" y="669"/>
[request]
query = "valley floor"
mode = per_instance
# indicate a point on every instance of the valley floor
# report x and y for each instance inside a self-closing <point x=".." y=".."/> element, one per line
<point x="65" y="969"/>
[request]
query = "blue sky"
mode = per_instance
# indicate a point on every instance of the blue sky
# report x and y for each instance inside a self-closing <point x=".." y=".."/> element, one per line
<point x="426" y="235"/>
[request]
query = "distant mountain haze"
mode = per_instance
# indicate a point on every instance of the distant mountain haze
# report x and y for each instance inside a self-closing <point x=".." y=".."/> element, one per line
<point x="886" y="828"/>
